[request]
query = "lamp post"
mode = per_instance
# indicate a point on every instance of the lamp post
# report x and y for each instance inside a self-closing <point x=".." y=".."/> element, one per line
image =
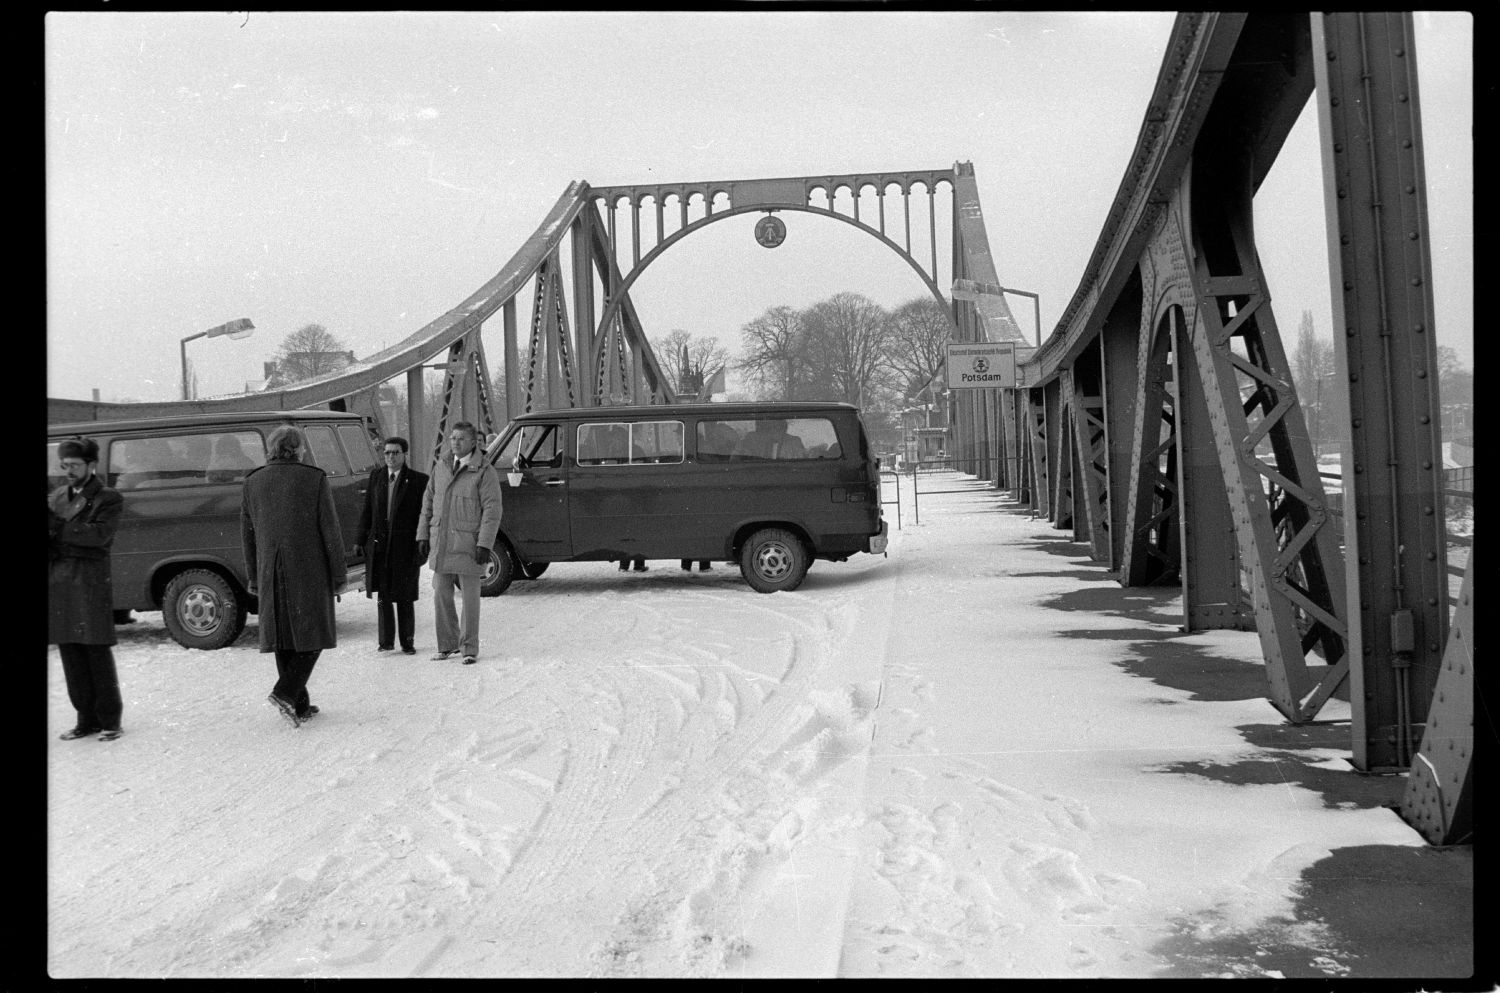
<point x="1036" y="301"/>
<point x="236" y="329"/>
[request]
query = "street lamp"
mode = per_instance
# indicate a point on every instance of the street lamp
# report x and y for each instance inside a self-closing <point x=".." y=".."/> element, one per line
<point x="238" y="328"/>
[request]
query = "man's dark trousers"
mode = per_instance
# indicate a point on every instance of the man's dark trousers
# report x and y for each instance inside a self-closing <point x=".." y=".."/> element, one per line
<point x="292" y="671"/>
<point x="93" y="685"/>
<point x="393" y="616"/>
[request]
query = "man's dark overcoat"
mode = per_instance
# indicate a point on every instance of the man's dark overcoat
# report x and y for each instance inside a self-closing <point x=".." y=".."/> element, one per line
<point x="294" y="553"/>
<point x="80" y="595"/>
<point x="391" y="560"/>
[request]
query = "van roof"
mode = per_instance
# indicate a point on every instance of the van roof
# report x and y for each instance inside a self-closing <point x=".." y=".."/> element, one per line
<point x="114" y="426"/>
<point x="719" y="409"/>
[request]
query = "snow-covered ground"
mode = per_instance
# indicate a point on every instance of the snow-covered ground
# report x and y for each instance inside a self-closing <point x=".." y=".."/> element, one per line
<point x="936" y="763"/>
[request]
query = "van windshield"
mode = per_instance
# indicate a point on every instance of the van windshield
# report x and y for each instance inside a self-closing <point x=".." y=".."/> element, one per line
<point x="532" y="445"/>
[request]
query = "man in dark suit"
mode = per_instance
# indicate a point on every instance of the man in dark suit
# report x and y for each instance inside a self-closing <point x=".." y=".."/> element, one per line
<point x="388" y="532"/>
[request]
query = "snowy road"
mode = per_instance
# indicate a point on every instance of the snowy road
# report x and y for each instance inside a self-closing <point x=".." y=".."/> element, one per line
<point x="931" y="764"/>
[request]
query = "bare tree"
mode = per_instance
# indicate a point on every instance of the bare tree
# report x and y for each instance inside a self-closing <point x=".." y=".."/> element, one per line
<point x="920" y="329"/>
<point x="1312" y="363"/>
<point x="849" y="338"/>
<point x="687" y="359"/>
<point x="774" y="346"/>
<point x="306" y="353"/>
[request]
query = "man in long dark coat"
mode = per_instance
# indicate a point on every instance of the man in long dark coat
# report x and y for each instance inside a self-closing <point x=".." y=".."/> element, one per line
<point x="294" y="556"/>
<point x="388" y="534"/>
<point x="82" y="515"/>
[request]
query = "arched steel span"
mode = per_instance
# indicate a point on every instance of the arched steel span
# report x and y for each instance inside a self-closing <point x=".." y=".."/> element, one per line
<point x="641" y="265"/>
<point x="987" y="318"/>
<point x="422" y="346"/>
<point x="1161" y="423"/>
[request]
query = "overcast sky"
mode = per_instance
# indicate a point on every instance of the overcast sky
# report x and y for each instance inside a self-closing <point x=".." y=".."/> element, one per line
<point x="369" y="171"/>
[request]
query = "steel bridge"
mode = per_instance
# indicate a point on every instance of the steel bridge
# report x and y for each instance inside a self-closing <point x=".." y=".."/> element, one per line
<point x="1158" y="421"/>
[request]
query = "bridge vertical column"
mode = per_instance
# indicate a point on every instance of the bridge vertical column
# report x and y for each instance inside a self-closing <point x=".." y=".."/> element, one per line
<point x="1210" y="561"/>
<point x="416" y="430"/>
<point x="583" y="300"/>
<point x="513" y="399"/>
<point x="1149" y="551"/>
<point x="1091" y="484"/>
<point x="1041" y="490"/>
<point x="1381" y="274"/>
<point x="1060" y="450"/>
<point x="1119" y="338"/>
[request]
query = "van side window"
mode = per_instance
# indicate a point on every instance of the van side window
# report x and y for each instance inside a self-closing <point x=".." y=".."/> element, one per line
<point x="326" y="453"/>
<point x="656" y="442"/>
<point x="357" y="446"/>
<point x="603" y="444"/>
<point x="183" y="460"/>
<point x="768" y="438"/>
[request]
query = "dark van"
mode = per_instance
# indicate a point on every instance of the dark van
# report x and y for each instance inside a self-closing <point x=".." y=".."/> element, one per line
<point x="770" y="486"/>
<point x="177" y="549"/>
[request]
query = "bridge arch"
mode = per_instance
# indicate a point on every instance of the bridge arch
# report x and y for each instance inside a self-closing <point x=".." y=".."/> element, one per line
<point x="620" y="291"/>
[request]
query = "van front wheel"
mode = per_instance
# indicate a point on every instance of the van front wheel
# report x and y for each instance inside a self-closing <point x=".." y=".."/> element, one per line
<point x="772" y="560"/>
<point x="201" y="610"/>
<point x="499" y="570"/>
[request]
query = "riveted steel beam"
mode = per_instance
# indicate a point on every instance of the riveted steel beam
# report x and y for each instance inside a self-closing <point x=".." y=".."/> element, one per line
<point x="1380" y="270"/>
<point x="1439" y="800"/>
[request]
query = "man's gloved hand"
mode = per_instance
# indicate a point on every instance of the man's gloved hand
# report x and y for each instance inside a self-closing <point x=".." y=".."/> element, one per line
<point x="424" y="548"/>
<point x="480" y="553"/>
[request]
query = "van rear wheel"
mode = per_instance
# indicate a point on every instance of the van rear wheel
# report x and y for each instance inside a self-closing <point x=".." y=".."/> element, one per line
<point x="202" y="610"/>
<point x="773" y="560"/>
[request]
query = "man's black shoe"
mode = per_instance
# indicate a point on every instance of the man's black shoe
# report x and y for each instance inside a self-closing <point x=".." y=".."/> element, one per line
<point x="383" y="648"/>
<point x="79" y="732"/>
<point x="409" y="649"/>
<point x="312" y="709"/>
<point x="288" y="710"/>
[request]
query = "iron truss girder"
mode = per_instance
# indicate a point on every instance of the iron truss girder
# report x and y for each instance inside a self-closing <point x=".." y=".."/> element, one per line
<point x="1380" y="270"/>
<point x="1288" y="550"/>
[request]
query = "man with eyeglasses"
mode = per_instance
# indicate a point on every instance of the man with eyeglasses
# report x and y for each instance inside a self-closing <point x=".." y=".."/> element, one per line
<point x="82" y="515"/>
<point x="388" y="533"/>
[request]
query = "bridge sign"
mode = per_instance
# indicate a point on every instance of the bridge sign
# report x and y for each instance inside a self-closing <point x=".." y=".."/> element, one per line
<point x="977" y="365"/>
